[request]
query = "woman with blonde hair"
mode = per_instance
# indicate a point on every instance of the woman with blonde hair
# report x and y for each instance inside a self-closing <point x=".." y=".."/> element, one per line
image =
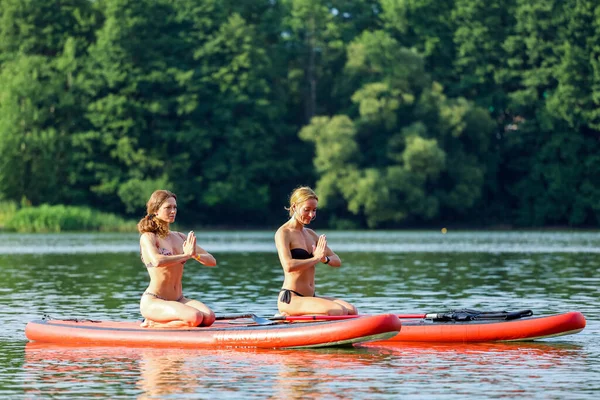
<point x="300" y="249"/>
<point x="164" y="254"/>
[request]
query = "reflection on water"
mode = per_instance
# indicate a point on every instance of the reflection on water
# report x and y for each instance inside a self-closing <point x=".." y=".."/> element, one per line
<point x="100" y="276"/>
<point x="162" y="373"/>
<point x="159" y="373"/>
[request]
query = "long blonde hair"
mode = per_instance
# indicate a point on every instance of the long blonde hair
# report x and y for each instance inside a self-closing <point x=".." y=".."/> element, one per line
<point x="150" y="223"/>
<point x="300" y="195"/>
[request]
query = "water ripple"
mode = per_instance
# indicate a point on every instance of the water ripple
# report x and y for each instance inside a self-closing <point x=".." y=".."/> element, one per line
<point x="91" y="276"/>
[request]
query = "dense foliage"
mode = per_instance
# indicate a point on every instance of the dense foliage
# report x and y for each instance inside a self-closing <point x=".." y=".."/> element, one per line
<point x="399" y="112"/>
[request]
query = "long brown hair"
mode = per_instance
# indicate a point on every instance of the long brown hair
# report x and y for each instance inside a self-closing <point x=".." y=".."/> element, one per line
<point x="150" y="223"/>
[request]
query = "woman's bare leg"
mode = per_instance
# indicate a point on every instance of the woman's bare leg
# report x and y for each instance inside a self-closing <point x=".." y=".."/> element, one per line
<point x="208" y="314"/>
<point x="160" y="313"/>
<point x="311" y="306"/>
<point x="352" y="310"/>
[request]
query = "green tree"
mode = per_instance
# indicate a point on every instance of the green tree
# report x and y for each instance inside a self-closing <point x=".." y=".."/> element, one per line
<point x="239" y="124"/>
<point x="182" y="98"/>
<point x="428" y="27"/>
<point x="43" y="27"/>
<point x="134" y="77"/>
<point x="552" y="118"/>
<point x="41" y="51"/>
<point x="481" y="29"/>
<point x="313" y="42"/>
<point x="409" y="153"/>
<point x="577" y="71"/>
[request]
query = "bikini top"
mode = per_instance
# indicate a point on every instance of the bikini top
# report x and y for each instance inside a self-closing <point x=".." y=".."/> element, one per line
<point x="161" y="250"/>
<point x="300" y="254"/>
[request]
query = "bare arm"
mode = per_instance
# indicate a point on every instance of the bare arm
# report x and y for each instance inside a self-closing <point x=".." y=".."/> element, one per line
<point x="153" y="258"/>
<point x="198" y="253"/>
<point x="204" y="257"/>
<point x="334" y="260"/>
<point x="282" y="242"/>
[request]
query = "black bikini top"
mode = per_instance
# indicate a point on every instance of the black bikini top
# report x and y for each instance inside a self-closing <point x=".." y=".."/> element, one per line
<point x="300" y="254"/>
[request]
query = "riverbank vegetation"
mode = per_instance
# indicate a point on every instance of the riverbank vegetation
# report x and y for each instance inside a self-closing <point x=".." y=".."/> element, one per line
<point x="60" y="218"/>
<point x="400" y="113"/>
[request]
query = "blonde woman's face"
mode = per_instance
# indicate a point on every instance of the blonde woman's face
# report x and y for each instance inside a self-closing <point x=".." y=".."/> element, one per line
<point x="306" y="211"/>
<point x="167" y="210"/>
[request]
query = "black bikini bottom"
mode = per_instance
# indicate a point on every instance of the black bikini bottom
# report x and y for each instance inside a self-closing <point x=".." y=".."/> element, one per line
<point x="286" y="297"/>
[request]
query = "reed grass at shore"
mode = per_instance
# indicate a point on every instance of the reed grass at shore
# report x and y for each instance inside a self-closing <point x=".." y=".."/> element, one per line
<point x="60" y="218"/>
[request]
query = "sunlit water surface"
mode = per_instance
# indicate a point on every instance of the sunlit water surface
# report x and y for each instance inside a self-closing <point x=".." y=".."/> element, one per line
<point x="100" y="276"/>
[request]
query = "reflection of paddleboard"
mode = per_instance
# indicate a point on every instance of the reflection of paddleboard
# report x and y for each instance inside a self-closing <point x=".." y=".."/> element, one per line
<point x="521" y="329"/>
<point x="94" y="357"/>
<point x="449" y="350"/>
<point x="220" y="334"/>
<point x="144" y="372"/>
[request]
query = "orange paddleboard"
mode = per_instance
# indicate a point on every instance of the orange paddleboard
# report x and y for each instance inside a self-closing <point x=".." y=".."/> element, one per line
<point x="220" y="334"/>
<point x="522" y="329"/>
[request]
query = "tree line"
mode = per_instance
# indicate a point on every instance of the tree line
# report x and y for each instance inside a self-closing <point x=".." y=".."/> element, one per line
<point x="399" y="112"/>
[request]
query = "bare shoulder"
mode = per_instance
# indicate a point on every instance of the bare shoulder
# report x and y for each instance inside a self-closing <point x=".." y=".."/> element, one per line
<point x="282" y="236"/>
<point x="282" y="231"/>
<point x="148" y="237"/>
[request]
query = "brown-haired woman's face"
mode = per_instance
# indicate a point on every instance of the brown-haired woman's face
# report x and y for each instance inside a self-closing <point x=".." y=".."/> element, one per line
<point x="306" y="211"/>
<point x="167" y="210"/>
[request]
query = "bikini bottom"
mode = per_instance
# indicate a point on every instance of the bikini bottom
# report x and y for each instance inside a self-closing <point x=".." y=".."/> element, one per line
<point x="286" y="297"/>
<point x="161" y="298"/>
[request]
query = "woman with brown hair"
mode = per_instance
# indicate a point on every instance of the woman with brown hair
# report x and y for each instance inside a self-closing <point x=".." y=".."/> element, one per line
<point x="300" y="249"/>
<point x="164" y="253"/>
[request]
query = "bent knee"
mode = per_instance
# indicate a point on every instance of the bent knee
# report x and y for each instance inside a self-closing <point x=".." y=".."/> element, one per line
<point x="208" y="319"/>
<point x="202" y="319"/>
<point x="193" y="318"/>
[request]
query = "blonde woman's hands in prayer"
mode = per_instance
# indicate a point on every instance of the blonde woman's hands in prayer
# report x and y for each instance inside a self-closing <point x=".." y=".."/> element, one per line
<point x="320" y="249"/>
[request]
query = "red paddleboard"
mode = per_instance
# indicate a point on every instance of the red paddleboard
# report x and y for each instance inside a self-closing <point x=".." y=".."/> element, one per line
<point x="220" y="334"/>
<point x="470" y="326"/>
<point x="522" y="329"/>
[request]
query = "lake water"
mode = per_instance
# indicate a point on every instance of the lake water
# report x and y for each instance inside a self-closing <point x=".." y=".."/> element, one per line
<point x="100" y="276"/>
